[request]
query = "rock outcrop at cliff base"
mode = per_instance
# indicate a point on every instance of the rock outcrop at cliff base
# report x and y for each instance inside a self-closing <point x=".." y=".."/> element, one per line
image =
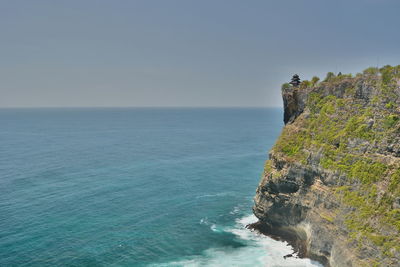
<point x="333" y="177"/>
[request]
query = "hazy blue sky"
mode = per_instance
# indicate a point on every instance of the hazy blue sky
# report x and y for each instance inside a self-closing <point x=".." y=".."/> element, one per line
<point x="184" y="53"/>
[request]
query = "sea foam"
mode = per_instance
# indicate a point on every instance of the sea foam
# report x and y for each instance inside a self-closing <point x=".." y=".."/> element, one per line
<point x="259" y="250"/>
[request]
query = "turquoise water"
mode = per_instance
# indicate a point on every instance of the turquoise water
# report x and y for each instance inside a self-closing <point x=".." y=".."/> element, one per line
<point x="134" y="187"/>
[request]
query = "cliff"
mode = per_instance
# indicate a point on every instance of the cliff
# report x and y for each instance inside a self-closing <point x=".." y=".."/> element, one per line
<point x="331" y="185"/>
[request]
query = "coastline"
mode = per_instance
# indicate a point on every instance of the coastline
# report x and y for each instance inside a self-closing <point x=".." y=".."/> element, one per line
<point x="256" y="249"/>
<point x="297" y="241"/>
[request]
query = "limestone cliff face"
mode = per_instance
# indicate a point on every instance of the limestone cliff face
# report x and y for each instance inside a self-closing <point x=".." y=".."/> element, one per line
<point x="333" y="177"/>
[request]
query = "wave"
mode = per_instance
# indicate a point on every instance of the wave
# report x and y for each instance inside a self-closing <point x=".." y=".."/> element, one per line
<point x="223" y="194"/>
<point x="213" y="226"/>
<point x="235" y="210"/>
<point x="259" y="250"/>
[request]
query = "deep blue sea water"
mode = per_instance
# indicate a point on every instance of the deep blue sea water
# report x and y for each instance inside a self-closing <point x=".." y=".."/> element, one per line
<point x="134" y="187"/>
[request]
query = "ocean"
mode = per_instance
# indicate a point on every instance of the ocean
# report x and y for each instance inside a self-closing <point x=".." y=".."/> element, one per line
<point x="135" y="187"/>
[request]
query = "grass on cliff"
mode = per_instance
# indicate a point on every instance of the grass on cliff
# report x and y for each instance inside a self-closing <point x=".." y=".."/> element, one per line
<point x="348" y="133"/>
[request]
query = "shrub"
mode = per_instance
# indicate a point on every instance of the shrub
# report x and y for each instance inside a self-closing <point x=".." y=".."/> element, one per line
<point x="371" y="71"/>
<point x="387" y="74"/>
<point x="367" y="172"/>
<point x="389" y="105"/>
<point x="305" y="84"/>
<point x="390" y="121"/>
<point x="286" y="86"/>
<point x="329" y="76"/>
<point x="394" y="180"/>
<point x="314" y="80"/>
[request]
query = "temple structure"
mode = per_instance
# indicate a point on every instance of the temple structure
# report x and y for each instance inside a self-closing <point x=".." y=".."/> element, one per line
<point x="295" y="80"/>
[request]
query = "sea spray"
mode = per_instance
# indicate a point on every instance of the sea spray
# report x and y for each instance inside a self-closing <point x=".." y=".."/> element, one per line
<point x="259" y="250"/>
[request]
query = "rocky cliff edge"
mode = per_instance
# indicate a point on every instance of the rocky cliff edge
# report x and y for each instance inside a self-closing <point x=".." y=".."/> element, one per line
<point x="331" y="185"/>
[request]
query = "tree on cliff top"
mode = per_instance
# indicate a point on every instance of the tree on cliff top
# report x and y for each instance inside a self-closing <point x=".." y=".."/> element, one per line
<point x="286" y="86"/>
<point x="314" y="80"/>
<point x="329" y="76"/>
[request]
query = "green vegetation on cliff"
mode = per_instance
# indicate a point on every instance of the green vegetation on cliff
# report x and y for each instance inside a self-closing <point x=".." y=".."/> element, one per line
<point x="353" y="124"/>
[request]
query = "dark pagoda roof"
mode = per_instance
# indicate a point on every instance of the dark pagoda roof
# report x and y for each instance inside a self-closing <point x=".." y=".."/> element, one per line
<point x="295" y="80"/>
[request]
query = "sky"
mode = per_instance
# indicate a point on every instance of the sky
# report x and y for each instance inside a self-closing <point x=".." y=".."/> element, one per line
<point x="184" y="53"/>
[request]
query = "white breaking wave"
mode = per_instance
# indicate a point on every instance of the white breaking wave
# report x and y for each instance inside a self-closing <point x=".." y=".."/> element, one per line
<point x="213" y="226"/>
<point x="204" y="221"/>
<point x="235" y="210"/>
<point x="259" y="251"/>
<point x="223" y="194"/>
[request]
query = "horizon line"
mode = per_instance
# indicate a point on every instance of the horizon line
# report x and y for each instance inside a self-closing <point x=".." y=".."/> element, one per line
<point x="126" y="107"/>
